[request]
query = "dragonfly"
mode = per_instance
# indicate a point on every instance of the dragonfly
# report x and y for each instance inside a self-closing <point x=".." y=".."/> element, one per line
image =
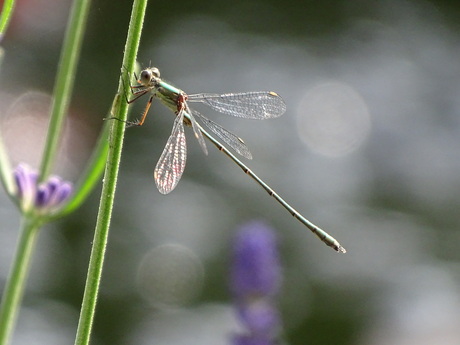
<point x="257" y="105"/>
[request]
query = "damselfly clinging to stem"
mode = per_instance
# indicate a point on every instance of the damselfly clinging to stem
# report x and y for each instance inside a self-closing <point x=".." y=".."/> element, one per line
<point x="249" y="105"/>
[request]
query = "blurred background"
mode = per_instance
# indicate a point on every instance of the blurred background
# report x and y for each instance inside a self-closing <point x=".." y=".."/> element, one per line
<point x="368" y="150"/>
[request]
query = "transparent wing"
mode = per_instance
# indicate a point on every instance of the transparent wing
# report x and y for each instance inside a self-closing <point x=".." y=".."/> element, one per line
<point x="236" y="143"/>
<point x="171" y="164"/>
<point x="196" y="129"/>
<point x="257" y="105"/>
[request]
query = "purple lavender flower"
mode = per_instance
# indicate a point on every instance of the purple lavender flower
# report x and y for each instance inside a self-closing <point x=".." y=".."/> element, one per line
<point x="255" y="280"/>
<point x="256" y="268"/>
<point x="258" y="315"/>
<point x="45" y="197"/>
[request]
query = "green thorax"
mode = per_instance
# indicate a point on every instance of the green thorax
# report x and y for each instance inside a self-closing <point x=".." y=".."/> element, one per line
<point x="168" y="94"/>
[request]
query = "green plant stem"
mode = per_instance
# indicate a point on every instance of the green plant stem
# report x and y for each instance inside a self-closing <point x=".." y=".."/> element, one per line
<point x="64" y="82"/>
<point x="110" y="179"/>
<point x="63" y="88"/>
<point x="7" y="11"/>
<point x="14" y="288"/>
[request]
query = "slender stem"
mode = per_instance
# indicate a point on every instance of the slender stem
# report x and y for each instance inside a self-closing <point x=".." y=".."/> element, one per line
<point x="14" y="288"/>
<point x="108" y="189"/>
<point x="64" y="82"/>
<point x="7" y="11"/>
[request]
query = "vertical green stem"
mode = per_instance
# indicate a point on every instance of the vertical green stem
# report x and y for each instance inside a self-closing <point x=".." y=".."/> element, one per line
<point x="64" y="81"/>
<point x="110" y="179"/>
<point x="7" y="12"/>
<point x="17" y="278"/>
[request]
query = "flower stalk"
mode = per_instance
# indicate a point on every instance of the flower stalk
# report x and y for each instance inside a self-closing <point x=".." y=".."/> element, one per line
<point x="120" y="111"/>
<point x="14" y="288"/>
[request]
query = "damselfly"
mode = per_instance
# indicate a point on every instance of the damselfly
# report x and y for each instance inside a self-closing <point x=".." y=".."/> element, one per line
<point x="257" y="105"/>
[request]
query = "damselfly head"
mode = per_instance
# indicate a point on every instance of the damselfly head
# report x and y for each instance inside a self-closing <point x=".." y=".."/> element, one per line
<point x="149" y="76"/>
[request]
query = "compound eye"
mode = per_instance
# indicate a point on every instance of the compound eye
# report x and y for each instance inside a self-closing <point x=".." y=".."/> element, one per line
<point x="145" y="76"/>
<point x="155" y="71"/>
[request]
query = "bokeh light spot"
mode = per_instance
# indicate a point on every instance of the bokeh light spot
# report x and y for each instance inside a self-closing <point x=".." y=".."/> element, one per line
<point x="333" y="119"/>
<point x="170" y="275"/>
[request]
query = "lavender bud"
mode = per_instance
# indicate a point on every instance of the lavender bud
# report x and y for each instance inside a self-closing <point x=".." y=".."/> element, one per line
<point x="45" y="197"/>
